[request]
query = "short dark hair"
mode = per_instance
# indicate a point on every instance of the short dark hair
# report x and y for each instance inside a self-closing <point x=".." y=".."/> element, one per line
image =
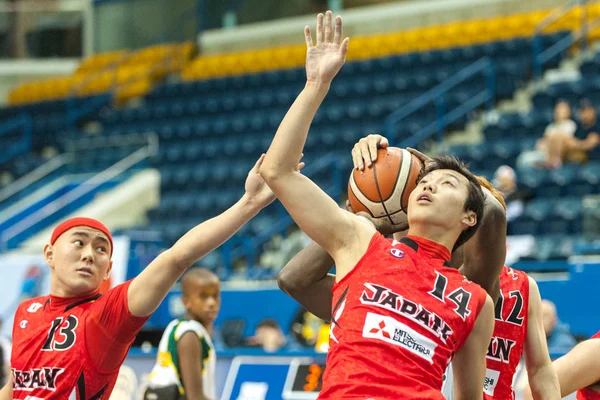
<point x="268" y="323"/>
<point x="475" y="199"/>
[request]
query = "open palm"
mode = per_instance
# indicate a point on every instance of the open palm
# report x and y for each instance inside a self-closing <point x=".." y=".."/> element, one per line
<point x="324" y="60"/>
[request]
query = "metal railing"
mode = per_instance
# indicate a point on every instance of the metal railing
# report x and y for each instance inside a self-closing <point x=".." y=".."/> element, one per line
<point x="438" y="96"/>
<point x="63" y="202"/>
<point x="540" y="55"/>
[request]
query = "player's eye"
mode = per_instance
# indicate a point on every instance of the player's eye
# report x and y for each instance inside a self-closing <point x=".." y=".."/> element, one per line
<point x="78" y="242"/>
<point x="449" y="183"/>
<point x="101" y="249"/>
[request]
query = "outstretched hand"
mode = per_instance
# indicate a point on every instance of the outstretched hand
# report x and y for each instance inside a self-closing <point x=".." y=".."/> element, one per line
<point x="324" y="60"/>
<point x="256" y="189"/>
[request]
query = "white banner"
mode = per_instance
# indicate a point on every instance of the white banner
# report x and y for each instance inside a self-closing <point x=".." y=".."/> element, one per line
<point x="23" y="276"/>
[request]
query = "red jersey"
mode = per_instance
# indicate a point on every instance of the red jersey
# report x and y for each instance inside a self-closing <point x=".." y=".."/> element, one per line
<point x="71" y="348"/>
<point x="398" y="318"/>
<point x="510" y="330"/>
<point x="585" y="393"/>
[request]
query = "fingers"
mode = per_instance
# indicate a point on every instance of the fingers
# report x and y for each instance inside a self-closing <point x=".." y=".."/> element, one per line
<point x="344" y="48"/>
<point x="337" y="37"/>
<point x="320" y="30"/>
<point x="357" y="158"/>
<point x="328" y="27"/>
<point x="349" y="207"/>
<point x="308" y="37"/>
<point x="425" y="159"/>
<point x="258" y="163"/>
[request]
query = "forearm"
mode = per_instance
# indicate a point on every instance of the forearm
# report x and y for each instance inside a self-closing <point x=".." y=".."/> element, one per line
<point x="210" y="234"/>
<point x="544" y="383"/>
<point x="305" y="278"/>
<point x="6" y="393"/>
<point x="286" y="149"/>
<point x="148" y="289"/>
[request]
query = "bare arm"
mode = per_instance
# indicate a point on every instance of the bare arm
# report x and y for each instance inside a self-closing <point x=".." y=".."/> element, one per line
<point x="469" y="363"/>
<point x="6" y="393"/>
<point x="485" y="252"/>
<point x="305" y="278"/>
<point x="343" y="235"/>
<point x="579" y="368"/>
<point x="190" y="365"/>
<point x="148" y="289"/>
<point x="542" y="377"/>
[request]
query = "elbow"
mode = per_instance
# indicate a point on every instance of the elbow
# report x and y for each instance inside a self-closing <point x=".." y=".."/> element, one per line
<point x="269" y="173"/>
<point x="286" y="282"/>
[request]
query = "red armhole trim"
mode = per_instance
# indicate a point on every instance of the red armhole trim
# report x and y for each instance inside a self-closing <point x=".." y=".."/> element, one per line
<point x="373" y="243"/>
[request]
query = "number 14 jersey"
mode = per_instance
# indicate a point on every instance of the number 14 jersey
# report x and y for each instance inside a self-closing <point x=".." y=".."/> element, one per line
<point x="398" y="318"/>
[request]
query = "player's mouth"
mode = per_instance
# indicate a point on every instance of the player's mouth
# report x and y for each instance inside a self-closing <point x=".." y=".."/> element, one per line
<point x="85" y="271"/>
<point x="424" y="197"/>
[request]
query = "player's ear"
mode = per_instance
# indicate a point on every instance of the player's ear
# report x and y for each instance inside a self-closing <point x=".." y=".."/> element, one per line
<point x="49" y="255"/>
<point x="110" y="265"/>
<point x="469" y="218"/>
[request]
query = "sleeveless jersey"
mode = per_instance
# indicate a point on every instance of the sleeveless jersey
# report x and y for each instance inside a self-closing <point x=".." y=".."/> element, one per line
<point x="56" y="340"/>
<point x="166" y="371"/>
<point x="398" y="318"/>
<point x="585" y="393"/>
<point x="510" y="330"/>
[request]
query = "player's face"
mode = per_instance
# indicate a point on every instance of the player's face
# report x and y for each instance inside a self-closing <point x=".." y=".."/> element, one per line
<point x="439" y="199"/>
<point x="80" y="259"/>
<point x="203" y="301"/>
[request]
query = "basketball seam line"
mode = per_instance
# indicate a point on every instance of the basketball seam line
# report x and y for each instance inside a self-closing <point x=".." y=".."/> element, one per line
<point x="361" y="192"/>
<point x="380" y="196"/>
<point x="396" y="180"/>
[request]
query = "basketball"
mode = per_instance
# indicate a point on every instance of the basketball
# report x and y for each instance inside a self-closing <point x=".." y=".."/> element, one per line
<point x="383" y="189"/>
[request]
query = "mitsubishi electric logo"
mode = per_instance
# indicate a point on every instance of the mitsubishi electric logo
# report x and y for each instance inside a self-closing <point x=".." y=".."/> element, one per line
<point x="394" y="332"/>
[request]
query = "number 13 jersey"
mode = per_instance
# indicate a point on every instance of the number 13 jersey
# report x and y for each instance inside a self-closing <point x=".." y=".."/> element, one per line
<point x="71" y="348"/>
<point x="398" y="318"/>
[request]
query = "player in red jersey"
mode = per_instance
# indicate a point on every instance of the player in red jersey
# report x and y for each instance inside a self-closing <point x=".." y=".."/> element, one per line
<point x="518" y="324"/>
<point x="579" y="371"/>
<point x="399" y="311"/>
<point x="71" y="343"/>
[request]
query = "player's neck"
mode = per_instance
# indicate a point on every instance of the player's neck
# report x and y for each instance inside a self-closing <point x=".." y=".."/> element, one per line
<point x="59" y="291"/>
<point x="437" y="235"/>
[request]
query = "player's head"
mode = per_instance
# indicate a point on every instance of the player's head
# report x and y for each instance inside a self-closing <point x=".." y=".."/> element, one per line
<point x="201" y="295"/>
<point x="79" y="255"/>
<point x="487" y="185"/>
<point x="448" y="198"/>
<point x="562" y="111"/>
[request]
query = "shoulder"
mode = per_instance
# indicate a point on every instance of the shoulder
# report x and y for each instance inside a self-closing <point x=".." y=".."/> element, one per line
<point x="32" y="305"/>
<point x="185" y="326"/>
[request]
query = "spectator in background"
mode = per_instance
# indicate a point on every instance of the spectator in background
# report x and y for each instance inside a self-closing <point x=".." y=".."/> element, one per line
<point x="558" y="335"/>
<point x="268" y="335"/>
<point x="587" y="132"/>
<point x="505" y="179"/>
<point x="558" y="136"/>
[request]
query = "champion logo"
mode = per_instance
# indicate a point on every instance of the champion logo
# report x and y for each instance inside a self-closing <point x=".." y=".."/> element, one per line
<point x="381" y="329"/>
<point x="34" y="307"/>
<point x="397" y="253"/>
<point x="23" y="324"/>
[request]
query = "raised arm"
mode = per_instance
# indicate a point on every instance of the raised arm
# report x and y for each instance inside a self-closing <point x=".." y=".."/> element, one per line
<point x="148" y="289"/>
<point x="469" y="363"/>
<point x="343" y="235"/>
<point x="542" y="377"/>
<point x="485" y="253"/>
<point x="305" y="278"/>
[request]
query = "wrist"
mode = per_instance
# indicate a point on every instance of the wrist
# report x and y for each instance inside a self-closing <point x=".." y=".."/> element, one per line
<point x="318" y="86"/>
<point x="249" y="204"/>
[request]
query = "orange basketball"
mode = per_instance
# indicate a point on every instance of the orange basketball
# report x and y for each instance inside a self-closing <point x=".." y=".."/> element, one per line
<point x="382" y="189"/>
